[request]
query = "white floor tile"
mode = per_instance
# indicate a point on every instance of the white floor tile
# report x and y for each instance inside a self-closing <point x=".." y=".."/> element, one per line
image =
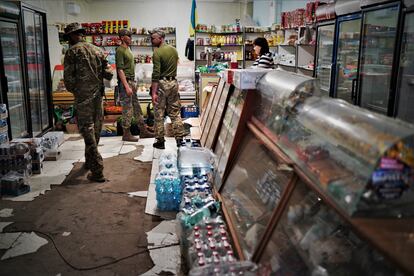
<point x="72" y="155"/>
<point x="127" y="148"/>
<point x="165" y="259"/>
<point x="7" y="239"/>
<point x="26" y="243"/>
<point x="3" y="225"/>
<point x="6" y="212"/>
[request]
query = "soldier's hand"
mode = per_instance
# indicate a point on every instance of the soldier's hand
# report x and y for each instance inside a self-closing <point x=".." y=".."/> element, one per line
<point x="154" y="99"/>
<point x="128" y="90"/>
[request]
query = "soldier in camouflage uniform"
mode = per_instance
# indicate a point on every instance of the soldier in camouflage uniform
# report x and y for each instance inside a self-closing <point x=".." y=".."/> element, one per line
<point x="164" y="92"/>
<point x="85" y="68"/>
<point x="125" y="65"/>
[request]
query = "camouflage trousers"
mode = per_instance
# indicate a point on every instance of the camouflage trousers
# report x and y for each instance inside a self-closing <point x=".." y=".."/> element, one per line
<point x="90" y="116"/>
<point x="130" y="105"/>
<point x="168" y="100"/>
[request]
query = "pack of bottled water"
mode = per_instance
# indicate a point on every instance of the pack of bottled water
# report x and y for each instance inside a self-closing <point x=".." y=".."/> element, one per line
<point x="195" y="161"/>
<point x="168" y="183"/>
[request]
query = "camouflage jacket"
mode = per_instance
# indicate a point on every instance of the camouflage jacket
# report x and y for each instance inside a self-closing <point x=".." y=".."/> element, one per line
<point x="83" y="73"/>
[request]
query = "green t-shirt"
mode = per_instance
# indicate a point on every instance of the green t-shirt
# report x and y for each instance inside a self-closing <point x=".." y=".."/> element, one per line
<point x="165" y="61"/>
<point x="125" y="60"/>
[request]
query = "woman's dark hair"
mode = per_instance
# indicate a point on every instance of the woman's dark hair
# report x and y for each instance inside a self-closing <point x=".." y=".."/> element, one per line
<point x="262" y="42"/>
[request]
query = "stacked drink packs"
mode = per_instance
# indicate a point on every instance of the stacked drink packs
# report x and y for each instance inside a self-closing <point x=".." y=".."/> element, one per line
<point x="36" y="151"/>
<point x="15" y="157"/>
<point x="167" y="183"/>
<point x="3" y="124"/>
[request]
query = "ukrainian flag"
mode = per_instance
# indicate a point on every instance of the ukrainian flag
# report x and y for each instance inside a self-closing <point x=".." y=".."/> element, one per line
<point x="193" y="18"/>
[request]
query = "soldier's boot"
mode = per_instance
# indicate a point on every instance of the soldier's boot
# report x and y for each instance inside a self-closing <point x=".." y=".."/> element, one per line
<point x="128" y="137"/>
<point x="144" y="132"/>
<point x="180" y="142"/>
<point x="159" y="143"/>
<point x="86" y="166"/>
<point x="96" y="177"/>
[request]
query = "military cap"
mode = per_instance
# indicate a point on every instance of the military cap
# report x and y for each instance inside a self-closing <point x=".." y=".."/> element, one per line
<point x="123" y="32"/>
<point x="73" y="28"/>
<point x="157" y="31"/>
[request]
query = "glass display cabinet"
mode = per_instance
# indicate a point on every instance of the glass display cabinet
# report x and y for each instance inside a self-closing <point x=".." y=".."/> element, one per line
<point x="312" y="239"/>
<point x="239" y="108"/>
<point x="317" y="186"/>
<point x="251" y="193"/>
<point x="365" y="161"/>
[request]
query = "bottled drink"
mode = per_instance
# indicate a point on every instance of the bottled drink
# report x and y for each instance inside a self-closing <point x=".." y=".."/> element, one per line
<point x="205" y="212"/>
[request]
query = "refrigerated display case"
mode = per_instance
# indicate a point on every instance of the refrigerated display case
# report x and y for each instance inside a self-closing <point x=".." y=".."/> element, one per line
<point x="324" y="54"/>
<point x="25" y="78"/>
<point x="378" y="48"/>
<point x="13" y="91"/>
<point x="405" y="84"/>
<point x="34" y="29"/>
<point x="347" y="56"/>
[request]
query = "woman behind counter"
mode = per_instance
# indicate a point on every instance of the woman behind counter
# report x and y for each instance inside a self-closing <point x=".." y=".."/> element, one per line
<point x="265" y="58"/>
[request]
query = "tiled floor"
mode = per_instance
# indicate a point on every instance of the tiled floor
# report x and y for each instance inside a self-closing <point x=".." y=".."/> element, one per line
<point x="55" y="172"/>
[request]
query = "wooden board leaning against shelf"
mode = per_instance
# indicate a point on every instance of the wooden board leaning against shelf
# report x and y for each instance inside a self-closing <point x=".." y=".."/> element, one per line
<point x="211" y="111"/>
<point x="207" y="107"/>
<point x="218" y="118"/>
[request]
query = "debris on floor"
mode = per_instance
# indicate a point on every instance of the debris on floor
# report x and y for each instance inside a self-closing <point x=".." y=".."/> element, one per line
<point x="65" y="234"/>
<point x="166" y="259"/>
<point x="127" y="148"/>
<point x="6" y="212"/>
<point x="7" y="239"/>
<point x="146" y="155"/>
<point x="3" y="224"/>
<point x="25" y="243"/>
<point x="138" y="194"/>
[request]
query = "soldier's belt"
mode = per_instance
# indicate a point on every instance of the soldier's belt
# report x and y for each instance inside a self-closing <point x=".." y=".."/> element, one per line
<point x="168" y="78"/>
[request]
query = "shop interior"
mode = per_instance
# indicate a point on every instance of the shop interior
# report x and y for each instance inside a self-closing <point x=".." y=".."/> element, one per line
<point x="296" y="160"/>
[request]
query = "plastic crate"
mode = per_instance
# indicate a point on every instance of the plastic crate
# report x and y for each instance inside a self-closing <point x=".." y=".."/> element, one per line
<point x="189" y="111"/>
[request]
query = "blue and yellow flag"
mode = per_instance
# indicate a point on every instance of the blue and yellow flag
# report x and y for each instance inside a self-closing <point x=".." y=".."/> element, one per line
<point x="193" y="18"/>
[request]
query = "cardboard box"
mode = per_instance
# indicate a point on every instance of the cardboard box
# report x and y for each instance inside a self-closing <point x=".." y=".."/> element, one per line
<point x="248" y="78"/>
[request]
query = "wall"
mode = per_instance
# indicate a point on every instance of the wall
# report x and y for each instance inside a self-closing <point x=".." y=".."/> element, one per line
<point x="267" y="12"/>
<point x="56" y="13"/>
<point x="264" y="12"/>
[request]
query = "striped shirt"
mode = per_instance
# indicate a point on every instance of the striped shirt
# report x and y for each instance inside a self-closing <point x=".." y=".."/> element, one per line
<point x="264" y="61"/>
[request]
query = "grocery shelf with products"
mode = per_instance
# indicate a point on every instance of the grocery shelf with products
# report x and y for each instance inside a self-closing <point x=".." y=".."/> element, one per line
<point x="105" y="35"/>
<point x="309" y="183"/>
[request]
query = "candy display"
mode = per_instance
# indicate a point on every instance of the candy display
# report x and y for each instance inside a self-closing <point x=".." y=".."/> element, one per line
<point x="365" y="161"/>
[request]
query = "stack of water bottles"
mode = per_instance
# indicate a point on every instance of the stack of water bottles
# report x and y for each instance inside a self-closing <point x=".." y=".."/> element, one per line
<point x="167" y="183"/>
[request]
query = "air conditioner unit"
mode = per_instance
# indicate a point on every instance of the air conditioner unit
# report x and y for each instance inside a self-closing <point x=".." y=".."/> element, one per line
<point x="72" y="8"/>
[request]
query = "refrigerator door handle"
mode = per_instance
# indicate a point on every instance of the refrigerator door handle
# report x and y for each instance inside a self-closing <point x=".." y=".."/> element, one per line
<point x="6" y="85"/>
<point x="353" y="92"/>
